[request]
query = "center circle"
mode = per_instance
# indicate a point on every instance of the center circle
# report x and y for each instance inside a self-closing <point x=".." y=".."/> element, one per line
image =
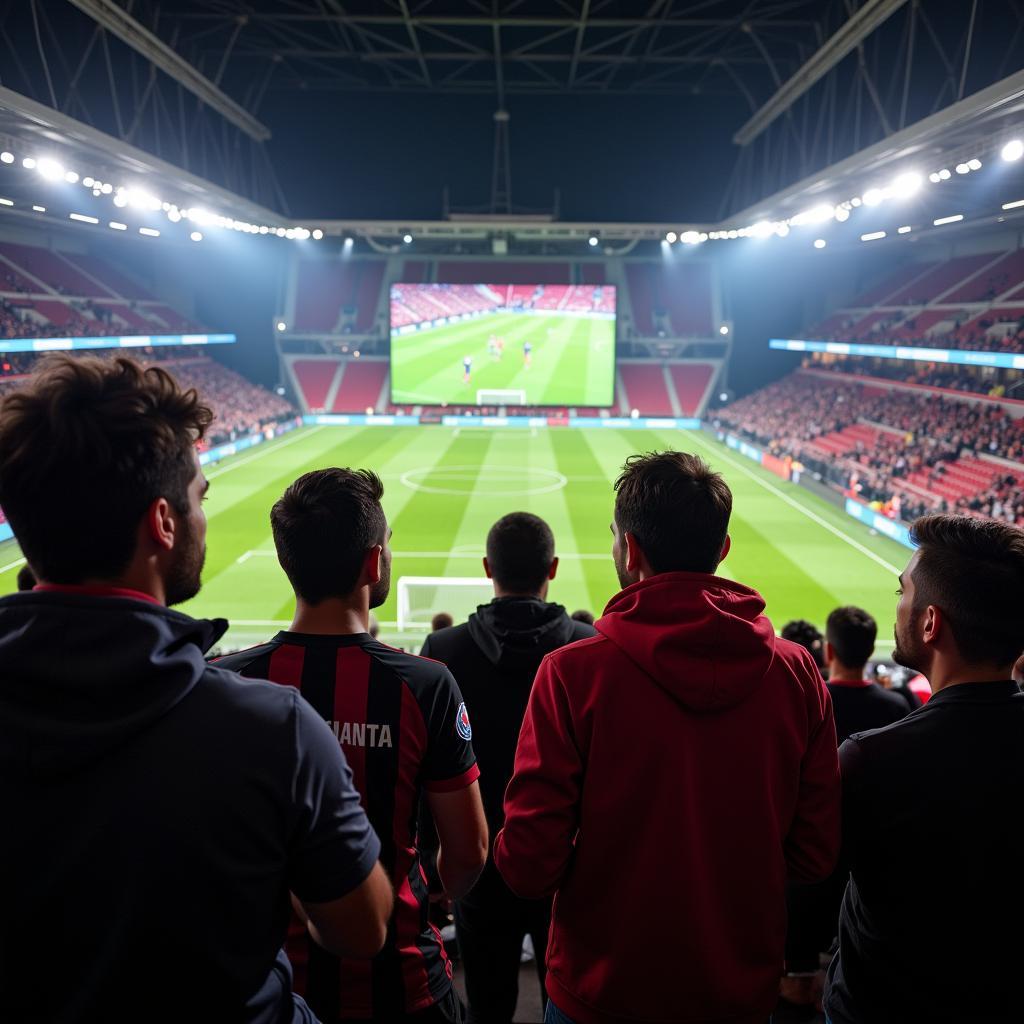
<point x="497" y="481"/>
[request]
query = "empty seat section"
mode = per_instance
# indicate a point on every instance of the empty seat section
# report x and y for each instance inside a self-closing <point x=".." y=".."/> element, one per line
<point x="49" y="267"/>
<point x="890" y="285"/>
<point x="691" y="381"/>
<point x="132" y="318"/>
<point x="360" y="385"/>
<point x="996" y="280"/>
<point x="13" y="282"/>
<point x="112" y="278"/>
<point x="940" y="279"/>
<point x="315" y="377"/>
<point x="639" y="277"/>
<point x="176" y="323"/>
<point x="323" y="289"/>
<point x="58" y="313"/>
<point x="645" y="386"/>
<point x="917" y="326"/>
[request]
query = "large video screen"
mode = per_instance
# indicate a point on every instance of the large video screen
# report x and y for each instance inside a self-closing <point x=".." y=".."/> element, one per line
<point x="502" y="344"/>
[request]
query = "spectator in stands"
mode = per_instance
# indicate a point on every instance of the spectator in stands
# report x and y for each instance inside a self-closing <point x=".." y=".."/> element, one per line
<point x="401" y="722"/>
<point x="582" y="615"/>
<point x="858" y="702"/>
<point x="495" y="656"/>
<point x="26" y="578"/>
<point x="809" y="637"/>
<point x="155" y="818"/>
<point x="442" y="620"/>
<point x="633" y="743"/>
<point x="948" y="947"/>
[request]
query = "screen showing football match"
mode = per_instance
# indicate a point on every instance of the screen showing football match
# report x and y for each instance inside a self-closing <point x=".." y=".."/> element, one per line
<point x="502" y="345"/>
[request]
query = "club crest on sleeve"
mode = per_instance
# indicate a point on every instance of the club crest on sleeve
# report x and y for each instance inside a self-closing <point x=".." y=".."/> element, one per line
<point x="462" y="726"/>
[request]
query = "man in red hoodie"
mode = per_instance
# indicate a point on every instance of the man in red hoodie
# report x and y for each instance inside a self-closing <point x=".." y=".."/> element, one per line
<point x="672" y="772"/>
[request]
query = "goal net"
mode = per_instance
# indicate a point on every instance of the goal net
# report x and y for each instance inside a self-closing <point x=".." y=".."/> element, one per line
<point x="499" y="397"/>
<point x="420" y="598"/>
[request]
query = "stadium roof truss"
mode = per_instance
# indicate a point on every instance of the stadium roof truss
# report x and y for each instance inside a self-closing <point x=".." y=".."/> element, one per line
<point x="837" y="90"/>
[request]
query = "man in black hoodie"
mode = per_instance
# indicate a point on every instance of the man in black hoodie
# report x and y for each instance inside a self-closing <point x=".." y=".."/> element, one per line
<point x="157" y="810"/>
<point x="494" y="657"/>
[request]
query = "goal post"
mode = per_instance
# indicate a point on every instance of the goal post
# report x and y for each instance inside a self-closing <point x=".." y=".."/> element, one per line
<point x="498" y="396"/>
<point x="420" y="598"/>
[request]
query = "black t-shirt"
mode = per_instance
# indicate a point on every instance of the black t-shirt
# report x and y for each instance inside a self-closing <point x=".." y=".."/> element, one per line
<point x="863" y="705"/>
<point x="939" y="795"/>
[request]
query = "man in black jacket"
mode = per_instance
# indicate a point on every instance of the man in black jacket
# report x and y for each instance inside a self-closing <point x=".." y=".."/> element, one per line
<point x="157" y="809"/>
<point x="948" y="947"/>
<point x="494" y="657"/>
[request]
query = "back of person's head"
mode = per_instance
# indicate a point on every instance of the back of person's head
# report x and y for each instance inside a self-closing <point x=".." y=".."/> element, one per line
<point x="808" y="636"/>
<point x="582" y="615"/>
<point x="520" y="550"/>
<point x="973" y="571"/>
<point x="677" y="509"/>
<point x="86" y="447"/>
<point x="324" y="526"/>
<point x="26" y="578"/>
<point x="442" y="620"/>
<point x="851" y="632"/>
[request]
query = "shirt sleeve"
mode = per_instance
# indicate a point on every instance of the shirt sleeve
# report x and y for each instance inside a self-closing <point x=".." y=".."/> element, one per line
<point x="333" y="846"/>
<point x="450" y="763"/>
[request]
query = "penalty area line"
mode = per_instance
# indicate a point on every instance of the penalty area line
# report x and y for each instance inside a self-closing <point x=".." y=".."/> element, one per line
<point x="265" y="449"/>
<point x="802" y="509"/>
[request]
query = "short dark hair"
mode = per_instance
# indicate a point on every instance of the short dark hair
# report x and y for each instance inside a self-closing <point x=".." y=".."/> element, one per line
<point x="109" y="436"/>
<point x="323" y="526"/>
<point x="851" y="632"/>
<point x="520" y="550"/>
<point x="677" y="509"/>
<point x="26" y="578"/>
<point x="442" y="620"/>
<point x="808" y="636"/>
<point x="582" y="615"/>
<point x="973" y="570"/>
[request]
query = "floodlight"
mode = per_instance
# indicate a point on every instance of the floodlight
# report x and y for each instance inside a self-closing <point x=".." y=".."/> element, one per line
<point x="28" y="163"/>
<point x="6" y="157"/>
<point x="117" y="226"/>
<point x="152" y="232"/>
<point x="318" y="234"/>
<point x="88" y="182"/>
<point x="670" y="237"/>
<point x="935" y="177"/>
<point x="196" y="236"/>
<point x="842" y="214"/>
<point x="962" y="169"/>
<point x="39" y="209"/>
<point x="974" y="164"/>
<point x="905" y="230"/>
<point x="872" y="197"/>
<point x="871" y="236"/>
<point x="820" y="243"/>
<point x="762" y="229"/>
<point x="690" y="237"/>
<point x="1013" y="150"/>
<point x="592" y="240"/>
<point x="71" y="177"/>
<point x="281" y="325"/>
<point x="107" y="188"/>
<point x="855" y="201"/>
<point x="349" y="240"/>
<point x="407" y="239"/>
<point x="906" y="185"/>
<point x="945" y="174"/>
<point x="948" y="220"/>
<point x="724" y="329"/>
<point x="782" y="229"/>
<point x="84" y="218"/>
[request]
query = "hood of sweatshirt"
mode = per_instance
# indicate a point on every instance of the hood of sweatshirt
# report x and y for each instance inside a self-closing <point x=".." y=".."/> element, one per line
<point x="513" y="632"/>
<point x="81" y="674"/>
<point x="703" y="639"/>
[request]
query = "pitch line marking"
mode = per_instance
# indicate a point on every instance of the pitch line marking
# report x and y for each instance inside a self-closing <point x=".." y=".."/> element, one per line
<point x="12" y="565"/>
<point x="535" y="480"/>
<point x="793" y="503"/>
<point x="264" y="450"/>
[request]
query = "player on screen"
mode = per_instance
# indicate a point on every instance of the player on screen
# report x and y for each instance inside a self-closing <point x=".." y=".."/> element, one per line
<point x="500" y="343"/>
<point x="467" y="368"/>
<point x="527" y="353"/>
<point x="492" y="347"/>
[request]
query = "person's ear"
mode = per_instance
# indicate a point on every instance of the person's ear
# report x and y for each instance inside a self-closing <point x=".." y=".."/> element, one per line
<point x="634" y="553"/>
<point x="372" y="565"/>
<point x="933" y="624"/>
<point x="830" y="653"/>
<point x="487" y="569"/>
<point x="553" y="569"/>
<point x="160" y="524"/>
<point x="726" y="548"/>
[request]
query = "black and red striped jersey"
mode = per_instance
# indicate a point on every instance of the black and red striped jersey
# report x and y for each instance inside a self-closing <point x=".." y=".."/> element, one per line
<point x="402" y="724"/>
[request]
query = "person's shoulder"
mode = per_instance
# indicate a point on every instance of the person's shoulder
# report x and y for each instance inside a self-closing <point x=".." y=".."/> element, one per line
<point x="415" y="670"/>
<point x="577" y="652"/>
<point x="248" y="699"/>
<point x="581" y="630"/>
<point x="449" y="639"/>
<point x="239" y="661"/>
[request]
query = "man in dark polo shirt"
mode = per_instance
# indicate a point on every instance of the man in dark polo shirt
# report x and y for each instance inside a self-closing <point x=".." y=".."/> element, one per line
<point x="495" y="656"/>
<point x="157" y="810"/>
<point x="948" y="947"/>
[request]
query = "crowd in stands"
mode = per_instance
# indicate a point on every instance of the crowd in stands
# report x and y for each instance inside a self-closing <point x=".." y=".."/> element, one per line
<point x="672" y="801"/>
<point x="918" y="432"/>
<point x="931" y="375"/>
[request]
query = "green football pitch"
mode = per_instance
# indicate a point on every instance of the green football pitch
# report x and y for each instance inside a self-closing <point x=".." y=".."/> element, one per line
<point x="445" y="486"/>
<point x="572" y="361"/>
